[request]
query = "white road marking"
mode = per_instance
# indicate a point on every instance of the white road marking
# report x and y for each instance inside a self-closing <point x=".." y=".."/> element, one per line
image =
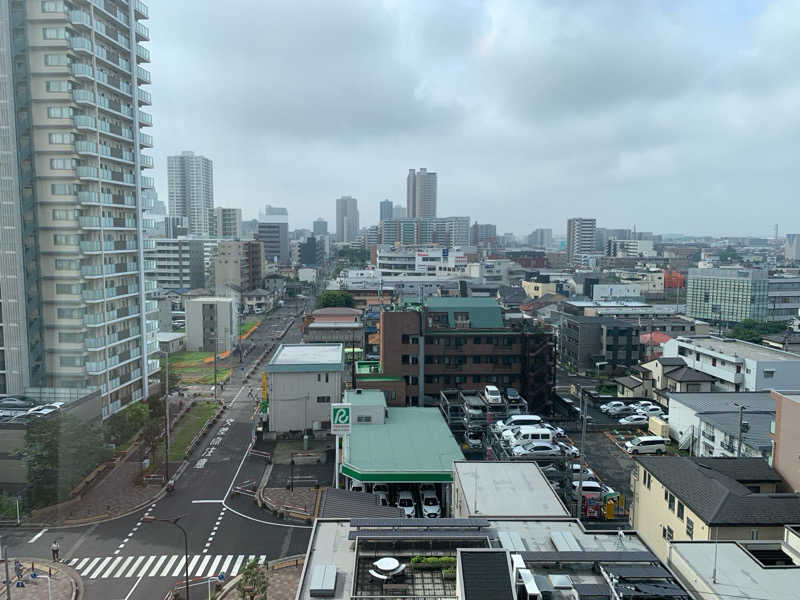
<point x="168" y="566"/>
<point x="207" y="501"/>
<point x="79" y="566"/>
<point x="37" y="536"/>
<point x="124" y="566"/>
<point x="130" y="593"/>
<point x="179" y="568"/>
<point x="224" y="567"/>
<point x="262" y="559"/>
<point x="236" y="565"/>
<point x="156" y="566"/>
<point x="111" y="567"/>
<point x="89" y="566"/>
<point x="212" y="570"/>
<point x="146" y="566"/>
<point x="192" y="563"/>
<point x="201" y="567"/>
<point x="96" y="573"/>
<point x="133" y="568"/>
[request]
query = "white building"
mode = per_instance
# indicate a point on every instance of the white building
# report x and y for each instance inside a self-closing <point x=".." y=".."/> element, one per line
<point x="791" y="249"/>
<point x="738" y="366"/>
<point x="616" y="291"/>
<point x="580" y="237"/>
<point x="228" y="222"/>
<point x="303" y="380"/>
<point x="419" y="260"/>
<point x="191" y="192"/>
<point x="211" y="324"/>
<point x="630" y="248"/>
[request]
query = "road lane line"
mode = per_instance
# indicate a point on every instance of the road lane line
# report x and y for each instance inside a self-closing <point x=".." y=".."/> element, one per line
<point x="226" y="564"/>
<point x="146" y="566"/>
<point x="100" y="568"/>
<point x="124" y="566"/>
<point x="111" y="567"/>
<point x="212" y="570"/>
<point x="207" y="501"/>
<point x="79" y="566"/>
<point x="179" y="568"/>
<point x="37" y="536"/>
<point x="236" y="565"/>
<point x="192" y="563"/>
<point x="89" y="566"/>
<point x="130" y="593"/>
<point x="168" y="566"/>
<point x="202" y="567"/>
<point x="133" y="568"/>
<point x="157" y="566"/>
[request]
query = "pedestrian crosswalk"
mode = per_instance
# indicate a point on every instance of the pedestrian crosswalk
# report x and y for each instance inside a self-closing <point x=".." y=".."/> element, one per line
<point x="200" y="565"/>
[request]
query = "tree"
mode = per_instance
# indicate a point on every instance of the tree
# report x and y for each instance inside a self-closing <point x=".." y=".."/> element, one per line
<point x="122" y="425"/>
<point x="751" y="330"/>
<point x="334" y="298"/>
<point x="729" y="255"/>
<point x="253" y="582"/>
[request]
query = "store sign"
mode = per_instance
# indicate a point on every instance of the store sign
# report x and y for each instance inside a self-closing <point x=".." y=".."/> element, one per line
<point x="340" y="418"/>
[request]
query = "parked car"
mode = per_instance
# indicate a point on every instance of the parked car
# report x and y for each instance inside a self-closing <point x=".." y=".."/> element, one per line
<point x="604" y="408"/>
<point x="383" y="498"/>
<point x="512" y="393"/>
<point x="621" y="411"/>
<point x="557" y="431"/>
<point x="588" y="486"/>
<point x="536" y="449"/>
<point x="431" y="509"/>
<point x="517" y="436"/>
<point x="569" y="450"/>
<point x="646" y="444"/>
<point x="492" y="394"/>
<point x="636" y="419"/>
<point x="406" y="501"/>
<point x="473" y="439"/>
<point x="45" y="409"/>
<point x="588" y="474"/>
<point x="651" y="411"/>
<point x="516" y="421"/>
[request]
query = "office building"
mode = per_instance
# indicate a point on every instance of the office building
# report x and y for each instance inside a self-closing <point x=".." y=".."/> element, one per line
<point x="320" y="227"/>
<point x="228" y="223"/>
<point x="311" y="251"/>
<point x="726" y="296"/>
<point x="399" y="211"/>
<point x="630" y="248"/>
<point x="580" y="238"/>
<point x="72" y="278"/>
<point x="445" y="231"/>
<point x="211" y="324"/>
<point x="541" y="238"/>
<point x="180" y="263"/>
<point x="273" y="232"/>
<point x="483" y="234"/>
<point x="791" y="248"/>
<point x="421" y="194"/>
<point x="346" y="219"/>
<point x="370" y="237"/>
<point x="191" y="192"/>
<point x="239" y="264"/>
<point x="386" y="209"/>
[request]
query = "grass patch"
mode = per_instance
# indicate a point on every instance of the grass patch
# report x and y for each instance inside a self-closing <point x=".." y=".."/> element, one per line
<point x="193" y="370"/>
<point x="245" y="325"/>
<point x="190" y="424"/>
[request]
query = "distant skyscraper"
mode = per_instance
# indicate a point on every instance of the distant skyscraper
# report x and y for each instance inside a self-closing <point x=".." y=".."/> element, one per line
<point x="420" y="194"/>
<point x="191" y="192"/>
<point x="541" y="238"/>
<point x="320" y="227"/>
<point x="273" y="232"/>
<point x="483" y="234"/>
<point x="386" y="209"/>
<point x="229" y="223"/>
<point x="398" y="211"/>
<point x="580" y="237"/>
<point x="346" y="219"/>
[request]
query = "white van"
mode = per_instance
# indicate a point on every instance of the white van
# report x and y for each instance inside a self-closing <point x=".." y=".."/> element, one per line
<point x="517" y="421"/>
<point x="527" y="433"/>
<point x="646" y="444"/>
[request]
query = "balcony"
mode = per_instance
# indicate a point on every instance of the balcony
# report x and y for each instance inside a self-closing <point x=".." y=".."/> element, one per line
<point x="84" y="147"/>
<point x="142" y="54"/>
<point x="92" y="295"/>
<point x="149" y="265"/>
<point x="728" y="446"/>
<point x="95" y="343"/>
<point x="147" y="182"/>
<point x="149" y="244"/>
<point x="89" y="222"/>
<point x="91" y="270"/>
<point x="146" y="161"/>
<point x="82" y="70"/>
<point x="83" y="96"/>
<point x="145" y="118"/>
<point x="86" y="172"/>
<point x="140" y="10"/>
<point x="142" y="33"/>
<point x="96" y="368"/>
<point x="84" y="122"/>
<point x="707" y="435"/>
<point x="150" y="306"/>
<point x="146" y="140"/>
<point x="144" y="97"/>
<point x="142" y="75"/>
<point x="150" y="285"/>
<point x="78" y="17"/>
<point x="80" y="44"/>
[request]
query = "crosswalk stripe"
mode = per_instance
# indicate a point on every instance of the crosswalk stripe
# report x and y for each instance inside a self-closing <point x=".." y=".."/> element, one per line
<point x="72" y="562"/>
<point x="262" y="559"/>
<point x="124" y="566"/>
<point x="224" y="567"/>
<point x="133" y="568"/>
<point x="168" y="566"/>
<point x="212" y="570"/>
<point x="111" y="567"/>
<point x="146" y="566"/>
<point x="192" y="563"/>
<point x="100" y="568"/>
<point x="202" y="567"/>
<point x="236" y="565"/>
<point x="157" y="566"/>
<point x="179" y="568"/>
<point x="88" y="568"/>
<point x="82" y="561"/>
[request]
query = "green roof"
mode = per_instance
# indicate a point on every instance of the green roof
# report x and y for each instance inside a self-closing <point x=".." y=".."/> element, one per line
<point x="414" y="444"/>
<point x="368" y="367"/>
<point x="484" y="313"/>
<point x="365" y="397"/>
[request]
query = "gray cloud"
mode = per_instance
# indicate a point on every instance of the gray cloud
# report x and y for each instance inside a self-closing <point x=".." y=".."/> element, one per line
<point x="677" y="117"/>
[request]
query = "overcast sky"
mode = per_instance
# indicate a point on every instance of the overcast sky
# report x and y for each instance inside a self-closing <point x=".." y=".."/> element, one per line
<point x="676" y="117"/>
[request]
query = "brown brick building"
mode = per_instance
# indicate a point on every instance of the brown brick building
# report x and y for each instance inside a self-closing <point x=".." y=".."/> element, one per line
<point x="467" y="346"/>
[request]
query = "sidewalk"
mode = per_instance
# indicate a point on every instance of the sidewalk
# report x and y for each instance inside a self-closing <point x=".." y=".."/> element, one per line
<point x="65" y="583"/>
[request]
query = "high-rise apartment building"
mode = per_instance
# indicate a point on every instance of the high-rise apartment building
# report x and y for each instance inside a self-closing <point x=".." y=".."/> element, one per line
<point x="180" y="263"/>
<point x="791" y="248"/>
<point x="727" y="295"/>
<point x="346" y="219"/>
<point x="483" y="234"/>
<point x="541" y="238"/>
<point x="73" y="301"/>
<point x="398" y="211"/>
<point x="446" y="231"/>
<point x="191" y="192"/>
<point x="320" y="227"/>
<point x="273" y="232"/>
<point x="580" y="237"/>
<point x="420" y="193"/>
<point x="386" y="209"/>
<point x="228" y="223"/>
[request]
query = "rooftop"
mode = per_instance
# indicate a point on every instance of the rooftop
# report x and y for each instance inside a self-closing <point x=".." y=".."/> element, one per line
<point x="724" y="401"/>
<point x="306" y="357"/>
<point x="413" y="444"/>
<point x="169" y="337"/>
<point x="339" y="504"/>
<point x="738" y="348"/>
<point x="484" y="313"/>
<point x="758" y="436"/>
<point x="507" y="489"/>
<point x="365" y="397"/>
<point x="689" y="374"/>
<point x="210" y="299"/>
<point x="717" y="498"/>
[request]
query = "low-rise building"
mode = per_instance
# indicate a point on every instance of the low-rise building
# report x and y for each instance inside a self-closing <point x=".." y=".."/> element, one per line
<point x="785" y="438"/>
<point x="737" y="366"/>
<point x="680" y="498"/>
<point x="171" y="342"/>
<point x="303" y="380"/>
<point x="211" y="324"/>
<point x="257" y="301"/>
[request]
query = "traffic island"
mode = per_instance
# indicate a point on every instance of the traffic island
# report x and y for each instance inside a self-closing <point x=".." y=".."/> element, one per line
<point x="37" y="579"/>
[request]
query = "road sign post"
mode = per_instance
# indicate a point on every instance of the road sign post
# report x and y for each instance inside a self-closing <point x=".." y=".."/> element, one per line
<point x="340" y="418"/>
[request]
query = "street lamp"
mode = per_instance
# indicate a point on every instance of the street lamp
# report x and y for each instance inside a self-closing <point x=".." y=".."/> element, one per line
<point x="174" y="521"/>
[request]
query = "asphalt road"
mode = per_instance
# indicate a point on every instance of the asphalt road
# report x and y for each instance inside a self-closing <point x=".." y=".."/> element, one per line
<point x="131" y="559"/>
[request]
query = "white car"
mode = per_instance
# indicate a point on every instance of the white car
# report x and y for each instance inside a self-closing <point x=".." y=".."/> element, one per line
<point x="650" y="411"/>
<point x="569" y="450"/>
<point x="588" y="474"/>
<point x="604" y="408"/>
<point x="431" y="509"/>
<point x="642" y="404"/>
<point x="620" y="411"/>
<point x="557" y="431"/>
<point x="538" y="449"/>
<point x="474" y="440"/>
<point x="492" y="394"/>
<point x="406" y="501"/>
<point x="634" y="420"/>
<point x="516" y="421"/>
<point x="45" y="409"/>
<point x="590" y="487"/>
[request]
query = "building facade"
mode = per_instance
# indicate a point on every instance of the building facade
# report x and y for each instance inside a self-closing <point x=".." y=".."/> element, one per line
<point x="445" y="231"/>
<point x="541" y="238"/>
<point x="727" y="295"/>
<point x="580" y="237"/>
<point x="191" y="192"/>
<point x="421" y="194"/>
<point x="386" y="208"/>
<point x="180" y="263"/>
<point x="72" y="278"/>
<point x="483" y="234"/>
<point x="346" y="219"/>
<point x="273" y="233"/>
<point x="211" y="324"/>
<point x="238" y="263"/>
<point x="228" y="223"/>
<point x="320" y="227"/>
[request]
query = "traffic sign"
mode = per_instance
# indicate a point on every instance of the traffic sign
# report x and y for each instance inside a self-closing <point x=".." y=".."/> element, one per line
<point x="340" y="418"/>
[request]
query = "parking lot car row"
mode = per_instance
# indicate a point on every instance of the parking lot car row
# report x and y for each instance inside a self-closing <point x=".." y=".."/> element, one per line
<point x="420" y="501"/>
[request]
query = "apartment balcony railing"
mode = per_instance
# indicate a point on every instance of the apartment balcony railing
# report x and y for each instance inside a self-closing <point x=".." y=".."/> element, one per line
<point x="84" y="122"/>
<point x="95" y="368"/>
<point x="146" y="140"/>
<point x="142" y="75"/>
<point x="141" y="10"/>
<point x="728" y="446"/>
<point x="708" y="435"/>
<point x="144" y="97"/>
<point x="142" y="54"/>
<point x="80" y="44"/>
<point x="146" y="161"/>
<point x="82" y="70"/>
<point x="85" y="147"/>
<point x="142" y="32"/>
<point x="83" y="96"/>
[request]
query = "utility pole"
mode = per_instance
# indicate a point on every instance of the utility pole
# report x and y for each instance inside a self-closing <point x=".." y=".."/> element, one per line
<point x="739" y="440"/>
<point x="216" y="347"/>
<point x="583" y="458"/>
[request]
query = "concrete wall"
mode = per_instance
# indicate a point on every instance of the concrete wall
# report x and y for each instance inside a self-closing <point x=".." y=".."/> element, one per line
<point x="786" y="441"/>
<point x="293" y="404"/>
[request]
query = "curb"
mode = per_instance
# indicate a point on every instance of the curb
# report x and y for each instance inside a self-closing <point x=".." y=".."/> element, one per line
<point x="75" y="578"/>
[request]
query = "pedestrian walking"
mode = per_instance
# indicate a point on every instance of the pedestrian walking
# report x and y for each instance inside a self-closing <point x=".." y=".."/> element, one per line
<point x="55" y="549"/>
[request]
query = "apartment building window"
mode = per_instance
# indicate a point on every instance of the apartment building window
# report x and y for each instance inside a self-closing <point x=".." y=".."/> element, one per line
<point x="58" y="85"/>
<point x="65" y="240"/>
<point x="405" y="339"/>
<point x="323" y="399"/>
<point x="56" y="60"/>
<point x="689" y="528"/>
<point x="476" y="379"/>
<point x="63" y="163"/>
<point x="364" y="419"/>
<point x="671" y="503"/>
<point x="54" y="33"/>
<point x="67" y="264"/>
<point x="713" y="362"/>
<point x="64" y="214"/>
<point x="61" y="138"/>
<point x="769" y="373"/>
<point x="667" y="533"/>
<point x="69" y="313"/>
<point x="69" y="337"/>
<point x="70" y="361"/>
<point x="680" y="511"/>
<point x="60" y="112"/>
<point x="647" y="478"/>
